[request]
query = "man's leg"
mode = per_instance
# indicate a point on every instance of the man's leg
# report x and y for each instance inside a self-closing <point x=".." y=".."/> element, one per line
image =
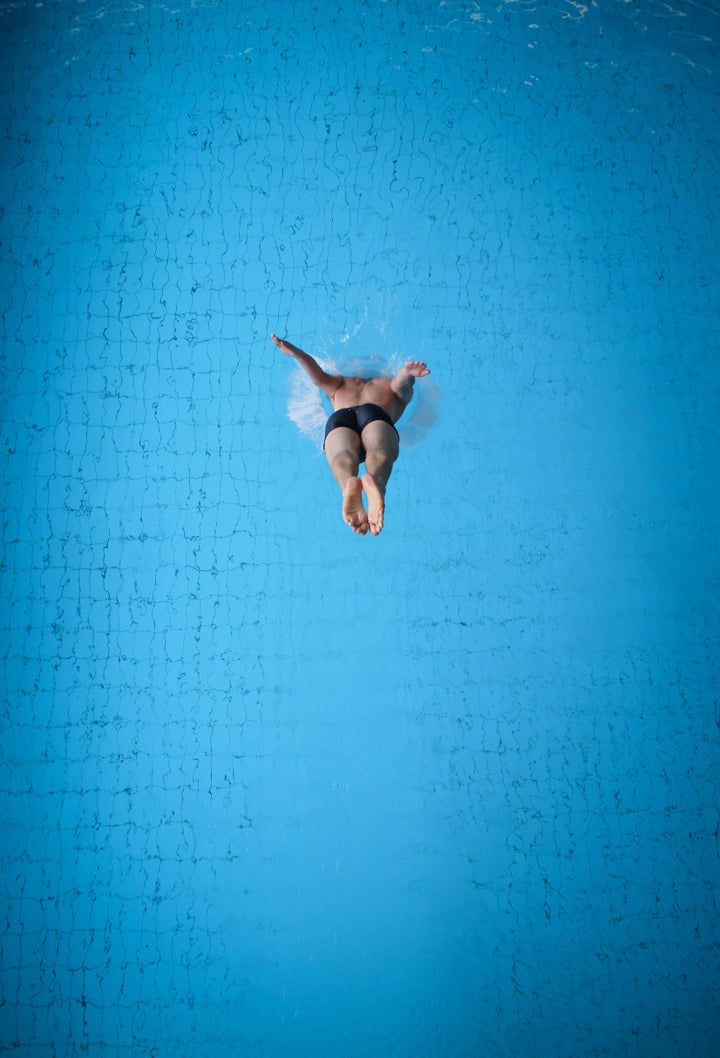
<point x="382" y="448"/>
<point x="342" y="448"/>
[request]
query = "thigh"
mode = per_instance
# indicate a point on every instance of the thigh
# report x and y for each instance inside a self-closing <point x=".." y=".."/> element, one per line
<point x="342" y="439"/>
<point x="381" y="436"/>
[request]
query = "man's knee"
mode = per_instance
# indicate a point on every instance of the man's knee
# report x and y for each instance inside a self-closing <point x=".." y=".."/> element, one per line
<point x="379" y="454"/>
<point x="342" y="456"/>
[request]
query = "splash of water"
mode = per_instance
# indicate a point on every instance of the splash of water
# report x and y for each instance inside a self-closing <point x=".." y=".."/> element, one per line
<point x="305" y="407"/>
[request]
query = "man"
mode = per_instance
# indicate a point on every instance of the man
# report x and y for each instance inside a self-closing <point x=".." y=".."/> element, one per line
<point x="361" y="430"/>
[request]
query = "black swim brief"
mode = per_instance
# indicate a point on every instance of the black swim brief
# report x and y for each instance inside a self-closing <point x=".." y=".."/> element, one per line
<point x="357" y="419"/>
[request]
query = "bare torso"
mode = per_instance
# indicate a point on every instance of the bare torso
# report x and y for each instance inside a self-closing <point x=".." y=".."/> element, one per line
<point x="354" y="391"/>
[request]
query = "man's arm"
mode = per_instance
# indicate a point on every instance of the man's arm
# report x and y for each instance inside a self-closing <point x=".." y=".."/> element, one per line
<point x="327" y="383"/>
<point x="402" y="384"/>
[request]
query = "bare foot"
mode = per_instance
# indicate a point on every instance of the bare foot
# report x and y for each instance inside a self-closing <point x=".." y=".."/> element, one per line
<point x="353" y="512"/>
<point x="376" y="503"/>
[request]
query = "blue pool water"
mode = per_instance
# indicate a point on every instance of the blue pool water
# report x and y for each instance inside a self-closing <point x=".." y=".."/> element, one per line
<point x="270" y="789"/>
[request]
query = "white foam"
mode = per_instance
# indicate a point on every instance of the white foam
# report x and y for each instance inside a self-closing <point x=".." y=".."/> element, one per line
<point x="305" y="407"/>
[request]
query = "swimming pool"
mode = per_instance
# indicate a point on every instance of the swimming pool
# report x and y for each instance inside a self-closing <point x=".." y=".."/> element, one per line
<point x="270" y="789"/>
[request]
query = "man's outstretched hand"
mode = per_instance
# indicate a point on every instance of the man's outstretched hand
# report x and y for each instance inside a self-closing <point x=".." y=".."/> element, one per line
<point x="283" y="346"/>
<point x="416" y="368"/>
